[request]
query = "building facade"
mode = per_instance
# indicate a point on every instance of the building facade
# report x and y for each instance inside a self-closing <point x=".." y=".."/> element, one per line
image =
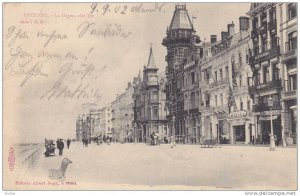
<point x="105" y="122"/>
<point x="273" y="61"/>
<point x="180" y="38"/>
<point x="149" y="104"/>
<point x="288" y="39"/>
<point x="122" y="115"/>
<point x="207" y="83"/>
<point x="83" y="127"/>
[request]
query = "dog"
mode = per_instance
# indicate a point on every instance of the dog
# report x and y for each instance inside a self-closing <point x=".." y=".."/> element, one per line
<point x="59" y="174"/>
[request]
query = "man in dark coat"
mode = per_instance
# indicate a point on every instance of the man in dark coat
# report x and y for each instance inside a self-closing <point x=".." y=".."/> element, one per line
<point x="60" y="147"/>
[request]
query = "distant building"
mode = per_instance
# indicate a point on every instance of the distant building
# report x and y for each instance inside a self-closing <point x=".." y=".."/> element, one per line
<point x="149" y="103"/>
<point x="105" y="122"/>
<point x="122" y="115"/>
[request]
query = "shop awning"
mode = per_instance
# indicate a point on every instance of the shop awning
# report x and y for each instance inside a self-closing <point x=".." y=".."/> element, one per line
<point x="268" y="118"/>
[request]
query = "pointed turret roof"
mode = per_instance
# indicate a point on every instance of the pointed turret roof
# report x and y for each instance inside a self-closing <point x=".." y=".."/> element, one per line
<point x="151" y="62"/>
<point x="181" y="19"/>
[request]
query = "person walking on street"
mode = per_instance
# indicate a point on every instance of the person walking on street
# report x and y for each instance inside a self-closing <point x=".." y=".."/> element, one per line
<point x="60" y="147"/>
<point x="68" y="143"/>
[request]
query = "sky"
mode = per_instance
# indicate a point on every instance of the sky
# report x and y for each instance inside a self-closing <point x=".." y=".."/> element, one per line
<point x="64" y="48"/>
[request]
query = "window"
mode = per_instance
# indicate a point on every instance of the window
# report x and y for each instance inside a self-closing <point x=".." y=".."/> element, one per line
<point x="255" y="23"/>
<point x="263" y="17"/>
<point x="216" y="100"/>
<point x="292" y="10"/>
<point x="292" y="79"/>
<point x="221" y="97"/>
<point x="226" y="72"/>
<point x="241" y="104"/>
<point x="241" y="80"/>
<point x="193" y="77"/>
<point x="207" y="100"/>
<point x="206" y="75"/>
<point x="240" y="59"/>
<point x="275" y="72"/>
<point x="272" y="14"/>
<point x="178" y="84"/>
<point x="193" y="100"/>
<point x="292" y="42"/>
<point x="155" y="112"/>
<point x="232" y="60"/>
<point x="216" y="76"/>
<point x="248" y="105"/>
<point x="247" y="56"/>
<point x="266" y="74"/>
<point x="221" y="74"/>
<point x="273" y="41"/>
<point x="264" y="45"/>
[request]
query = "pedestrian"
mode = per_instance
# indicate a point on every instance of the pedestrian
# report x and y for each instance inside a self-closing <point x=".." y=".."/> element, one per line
<point x="60" y="147"/>
<point x="68" y="143"/>
<point x="253" y="140"/>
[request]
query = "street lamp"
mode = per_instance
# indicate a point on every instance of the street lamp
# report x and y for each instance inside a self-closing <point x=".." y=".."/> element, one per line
<point x="272" y="142"/>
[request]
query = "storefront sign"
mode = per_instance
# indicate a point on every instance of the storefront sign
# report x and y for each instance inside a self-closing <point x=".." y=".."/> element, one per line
<point x="239" y="114"/>
<point x="267" y="113"/>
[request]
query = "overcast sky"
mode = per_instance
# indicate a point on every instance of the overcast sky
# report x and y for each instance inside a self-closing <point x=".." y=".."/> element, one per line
<point x="30" y="112"/>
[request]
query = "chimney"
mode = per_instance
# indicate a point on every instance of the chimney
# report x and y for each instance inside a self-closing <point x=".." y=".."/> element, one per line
<point x="224" y="35"/>
<point x="213" y="38"/>
<point x="230" y="28"/>
<point x="244" y="23"/>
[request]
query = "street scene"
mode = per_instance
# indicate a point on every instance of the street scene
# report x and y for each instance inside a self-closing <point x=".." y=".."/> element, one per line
<point x="183" y="167"/>
<point x="156" y="96"/>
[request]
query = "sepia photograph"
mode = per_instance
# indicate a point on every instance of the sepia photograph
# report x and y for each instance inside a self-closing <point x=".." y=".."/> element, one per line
<point x="150" y="96"/>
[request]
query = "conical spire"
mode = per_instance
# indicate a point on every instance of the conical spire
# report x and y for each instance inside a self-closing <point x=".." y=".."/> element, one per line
<point x="151" y="62"/>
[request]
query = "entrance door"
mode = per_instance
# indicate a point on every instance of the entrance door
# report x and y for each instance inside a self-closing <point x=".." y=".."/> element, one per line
<point x="266" y="130"/>
<point x="239" y="135"/>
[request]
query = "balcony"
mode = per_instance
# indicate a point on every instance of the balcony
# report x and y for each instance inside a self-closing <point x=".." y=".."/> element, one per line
<point x="268" y="54"/>
<point x="261" y="107"/>
<point x="275" y="84"/>
<point x="190" y="87"/>
<point x="289" y="92"/>
<point x="239" y="89"/>
<point x="219" y="83"/>
<point x="290" y="51"/>
<point x="263" y="29"/>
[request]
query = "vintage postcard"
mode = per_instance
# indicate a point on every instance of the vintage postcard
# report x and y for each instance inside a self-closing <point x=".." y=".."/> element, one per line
<point x="150" y="96"/>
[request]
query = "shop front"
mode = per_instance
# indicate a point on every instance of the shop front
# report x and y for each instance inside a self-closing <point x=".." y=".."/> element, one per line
<point x="241" y="126"/>
<point x="264" y="123"/>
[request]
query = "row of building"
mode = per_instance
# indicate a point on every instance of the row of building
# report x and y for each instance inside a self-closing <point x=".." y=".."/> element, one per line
<point x="220" y="89"/>
<point x="217" y="89"/>
<point x="96" y="123"/>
